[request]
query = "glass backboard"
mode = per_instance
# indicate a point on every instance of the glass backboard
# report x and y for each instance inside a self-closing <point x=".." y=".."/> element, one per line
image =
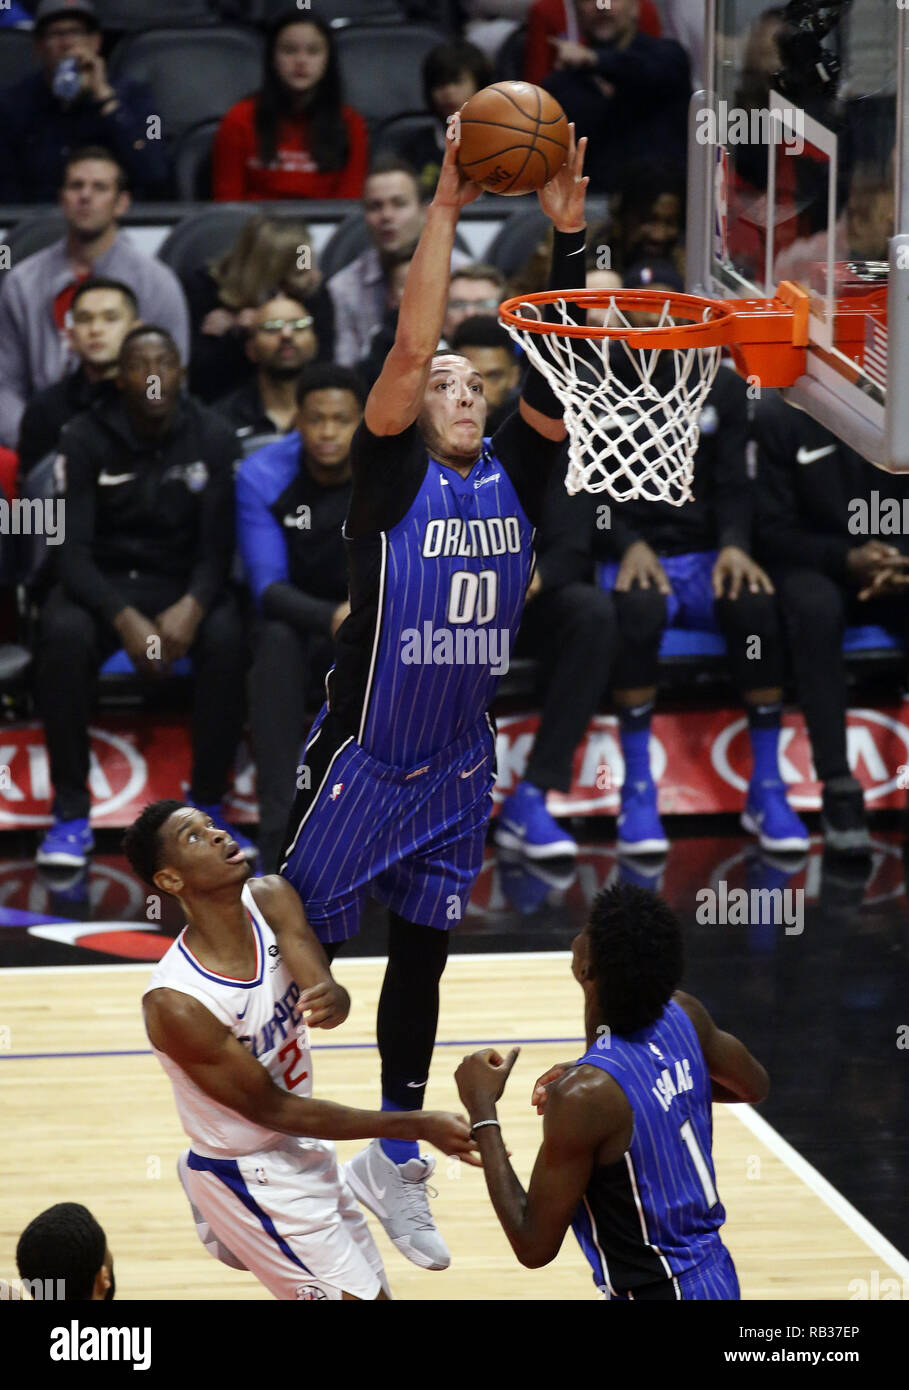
<point x="796" y="160"/>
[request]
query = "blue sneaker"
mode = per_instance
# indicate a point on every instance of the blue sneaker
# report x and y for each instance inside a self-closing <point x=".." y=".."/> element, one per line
<point x="529" y="886"/>
<point x="250" y="850"/>
<point x="768" y="815"/>
<point x="66" y="845"/>
<point x="526" y="826"/>
<point x="640" y="828"/>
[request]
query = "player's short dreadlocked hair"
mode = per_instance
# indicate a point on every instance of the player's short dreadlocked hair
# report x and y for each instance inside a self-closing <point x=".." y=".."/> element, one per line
<point x="141" y="844"/>
<point x="635" y="954"/>
<point x="65" y="1242"/>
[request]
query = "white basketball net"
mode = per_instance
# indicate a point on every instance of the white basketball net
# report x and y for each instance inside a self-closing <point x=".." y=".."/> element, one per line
<point x="631" y="436"/>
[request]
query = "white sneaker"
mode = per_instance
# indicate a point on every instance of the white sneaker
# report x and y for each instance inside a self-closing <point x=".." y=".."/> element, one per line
<point x="397" y="1194"/>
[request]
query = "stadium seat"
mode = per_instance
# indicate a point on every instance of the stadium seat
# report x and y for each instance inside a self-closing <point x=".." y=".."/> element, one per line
<point x="192" y="162"/>
<point x="202" y="236"/>
<point x="369" y="54"/>
<point x="509" y="61"/>
<point x="391" y="133"/>
<point x="17" y="56"/>
<point x="126" y="16"/>
<point x="349" y="239"/>
<point x="195" y="75"/>
<point x="513" y="246"/>
<point x="33" y="234"/>
<point x="337" y="13"/>
<point x="120" y="665"/>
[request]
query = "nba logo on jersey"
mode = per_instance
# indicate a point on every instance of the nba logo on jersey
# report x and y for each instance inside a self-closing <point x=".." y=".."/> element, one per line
<point x="337" y="790"/>
<point x="261" y="1175"/>
<point x="656" y="1051"/>
<point x="310" y="1293"/>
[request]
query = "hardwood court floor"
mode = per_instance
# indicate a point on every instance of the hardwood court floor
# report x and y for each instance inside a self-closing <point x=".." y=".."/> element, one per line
<point x="102" y="1129"/>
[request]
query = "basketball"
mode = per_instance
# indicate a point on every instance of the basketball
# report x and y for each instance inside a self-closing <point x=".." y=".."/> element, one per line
<point x="514" y="138"/>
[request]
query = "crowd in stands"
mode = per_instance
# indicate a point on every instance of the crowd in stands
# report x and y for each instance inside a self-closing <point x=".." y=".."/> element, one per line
<point x="203" y="521"/>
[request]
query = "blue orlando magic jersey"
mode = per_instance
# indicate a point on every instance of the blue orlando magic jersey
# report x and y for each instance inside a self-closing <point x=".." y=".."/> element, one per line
<point x="439" y="566"/>
<point x="654" y="1214"/>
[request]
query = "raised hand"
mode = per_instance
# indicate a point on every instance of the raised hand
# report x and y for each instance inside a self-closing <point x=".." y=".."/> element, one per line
<point x="454" y="190"/>
<point x="563" y="199"/>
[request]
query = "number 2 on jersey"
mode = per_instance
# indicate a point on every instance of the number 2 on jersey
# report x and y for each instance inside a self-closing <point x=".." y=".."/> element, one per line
<point x="291" y="1050"/>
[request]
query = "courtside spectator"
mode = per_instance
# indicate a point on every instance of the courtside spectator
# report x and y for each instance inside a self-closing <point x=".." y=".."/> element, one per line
<point x="691" y="567"/>
<point x="485" y="343"/>
<point x="647" y="220"/>
<point x="489" y="22"/>
<point x="628" y="92"/>
<point x="281" y="342"/>
<point x="369" y="369"/>
<point x="147" y="481"/>
<point x="295" y="138"/>
<point x="292" y="498"/>
<point x="550" y="23"/>
<point x="452" y="74"/>
<point x="394" y="212"/>
<point x="834" y="567"/>
<point x="475" y="289"/>
<point x="270" y="254"/>
<point x="43" y="120"/>
<point x="103" y="312"/>
<point x="36" y="295"/>
<point x="66" y="1243"/>
<point x="569" y="628"/>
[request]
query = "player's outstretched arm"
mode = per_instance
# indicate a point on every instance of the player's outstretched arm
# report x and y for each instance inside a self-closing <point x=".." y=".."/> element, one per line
<point x="394" y="402"/>
<point x="563" y="200"/>
<point x="735" y="1074"/>
<point x="324" y="1001"/>
<point x="216" y="1062"/>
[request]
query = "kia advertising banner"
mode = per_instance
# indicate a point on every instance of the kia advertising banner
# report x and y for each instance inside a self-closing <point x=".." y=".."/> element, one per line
<point x="701" y="760"/>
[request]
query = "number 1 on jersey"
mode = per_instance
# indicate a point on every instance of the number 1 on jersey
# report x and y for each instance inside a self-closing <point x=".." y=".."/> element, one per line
<point x="690" y="1140"/>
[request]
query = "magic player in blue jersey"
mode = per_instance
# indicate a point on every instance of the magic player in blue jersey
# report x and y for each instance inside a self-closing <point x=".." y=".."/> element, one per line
<point x="627" y="1129"/>
<point x="395" y="786"/>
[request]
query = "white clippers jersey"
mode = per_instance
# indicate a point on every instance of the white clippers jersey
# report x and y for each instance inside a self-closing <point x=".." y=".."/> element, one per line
<point x="262" y="1013"/>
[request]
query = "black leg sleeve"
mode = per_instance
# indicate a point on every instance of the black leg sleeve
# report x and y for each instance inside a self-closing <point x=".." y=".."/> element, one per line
<point x="278" y="684"/>
<point x="409" y="1009"/>
<point x="572" y="633"/>
<point x="219" y="656"/>
<point x="814" y="614"/>
<point x="641" y="617"/>
<point x="754" y="639"/>
<point x="70" y="647"/>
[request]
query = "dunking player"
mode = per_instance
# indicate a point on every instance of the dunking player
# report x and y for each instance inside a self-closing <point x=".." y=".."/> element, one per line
<point x="627" y="1130"/>
<point x="400" y="762"/>
<point x="227" y="1010"/>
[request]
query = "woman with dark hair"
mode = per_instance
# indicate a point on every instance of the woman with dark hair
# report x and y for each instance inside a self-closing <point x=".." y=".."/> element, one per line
<point x="294" y="138"/>
<point x="452" y="73"/>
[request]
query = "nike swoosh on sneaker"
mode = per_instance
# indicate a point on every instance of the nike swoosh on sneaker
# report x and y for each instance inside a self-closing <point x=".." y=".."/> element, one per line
<point x="379" y="1191"/>
<point x="105" y="478"/>
<point x="809" y="455"/>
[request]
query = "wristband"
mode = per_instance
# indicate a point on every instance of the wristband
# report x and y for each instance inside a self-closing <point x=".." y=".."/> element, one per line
<point x="480" y="1123"/>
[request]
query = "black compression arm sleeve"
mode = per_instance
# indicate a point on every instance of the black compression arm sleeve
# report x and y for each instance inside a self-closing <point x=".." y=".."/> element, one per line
<point x="568" y="273"/>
